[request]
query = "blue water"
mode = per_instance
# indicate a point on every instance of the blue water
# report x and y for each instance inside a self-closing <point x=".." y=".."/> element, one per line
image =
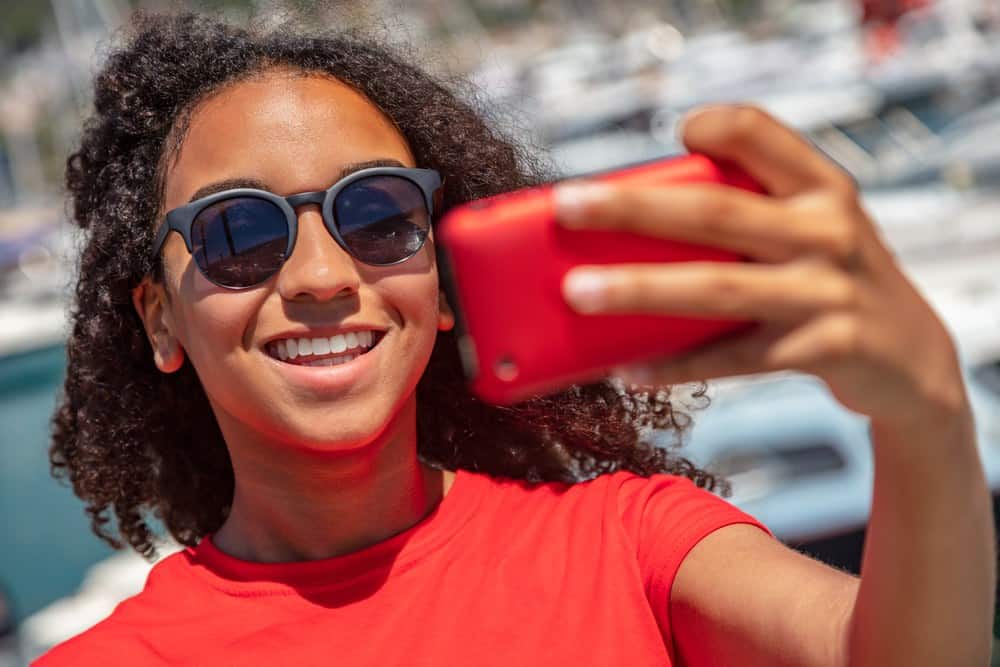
<point x="45" y="540"/>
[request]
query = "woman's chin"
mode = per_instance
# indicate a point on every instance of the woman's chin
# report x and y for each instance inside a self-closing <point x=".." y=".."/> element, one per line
<point x="287" y="422"/>
<point x="331" y="430"/>
<point x="337" y="439"/>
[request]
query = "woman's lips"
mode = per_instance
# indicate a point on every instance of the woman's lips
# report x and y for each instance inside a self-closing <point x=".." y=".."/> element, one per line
<point x="318" y="373"/>
<point x="333" y="360"/>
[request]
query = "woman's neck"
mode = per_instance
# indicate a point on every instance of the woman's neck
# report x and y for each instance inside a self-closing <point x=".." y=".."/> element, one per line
<point x="296" y="506"/>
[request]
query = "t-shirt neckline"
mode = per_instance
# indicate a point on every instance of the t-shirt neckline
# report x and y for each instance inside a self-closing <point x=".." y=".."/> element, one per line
<point x="395" y="554"/>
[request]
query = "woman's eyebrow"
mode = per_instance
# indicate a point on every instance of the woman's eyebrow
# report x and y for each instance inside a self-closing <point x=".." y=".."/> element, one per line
<point x="233" y="183"/>
<point x="358" y="166"/>
<point x="228" y="184"/>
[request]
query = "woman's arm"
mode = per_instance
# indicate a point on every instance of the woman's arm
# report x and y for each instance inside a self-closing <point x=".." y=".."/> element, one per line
<point x="926" y="592"/>
<point x="833" y="302"/>
<point x="929" y="568"/>
<point x="742" y="598"/>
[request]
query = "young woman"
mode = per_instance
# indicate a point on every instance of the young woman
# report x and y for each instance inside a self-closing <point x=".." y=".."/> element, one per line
<point x="262" y="359"/>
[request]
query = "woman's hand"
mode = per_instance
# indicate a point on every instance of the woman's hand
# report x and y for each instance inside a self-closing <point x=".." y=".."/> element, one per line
<point x="831" y="299"/>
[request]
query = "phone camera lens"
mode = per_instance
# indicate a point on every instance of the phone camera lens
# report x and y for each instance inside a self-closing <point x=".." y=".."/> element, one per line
<point x="506" y="369"/>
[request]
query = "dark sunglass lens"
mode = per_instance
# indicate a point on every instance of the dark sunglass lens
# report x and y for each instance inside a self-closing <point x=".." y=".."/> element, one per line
<point x="383" y="219"/>
<point x="240" y="242"/>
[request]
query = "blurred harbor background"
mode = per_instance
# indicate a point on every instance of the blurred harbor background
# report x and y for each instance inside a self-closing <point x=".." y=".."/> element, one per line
<point x="902" y="93"/>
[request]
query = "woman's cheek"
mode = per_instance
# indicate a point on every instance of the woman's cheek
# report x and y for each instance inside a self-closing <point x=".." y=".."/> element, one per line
<point x="227" y="318"/>
<point x="218" y="333"/>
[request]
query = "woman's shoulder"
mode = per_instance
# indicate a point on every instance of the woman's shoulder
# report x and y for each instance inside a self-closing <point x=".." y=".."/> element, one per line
<point x="623" y="495"/>
<point x="648" y="508"/>
<point x="624" y="484"/>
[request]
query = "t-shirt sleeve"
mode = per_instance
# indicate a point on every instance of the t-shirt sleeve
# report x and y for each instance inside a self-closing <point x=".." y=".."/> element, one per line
<point x="665" y="516"/>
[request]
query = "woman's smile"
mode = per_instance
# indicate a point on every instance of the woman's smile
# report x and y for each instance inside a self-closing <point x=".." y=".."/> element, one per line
<point x="327" y="372"/>
<point x="309" y="347"/>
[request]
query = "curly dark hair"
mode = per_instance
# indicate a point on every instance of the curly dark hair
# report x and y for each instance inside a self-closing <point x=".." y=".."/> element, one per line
<point x="143" y="444"/>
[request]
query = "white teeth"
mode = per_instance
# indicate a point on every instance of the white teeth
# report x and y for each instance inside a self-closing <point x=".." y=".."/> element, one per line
<point x="291" y="348"/>
<point x="305" y="347"/>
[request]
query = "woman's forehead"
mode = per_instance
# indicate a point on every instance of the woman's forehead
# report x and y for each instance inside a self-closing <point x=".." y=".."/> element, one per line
<point x="287" y="129"/>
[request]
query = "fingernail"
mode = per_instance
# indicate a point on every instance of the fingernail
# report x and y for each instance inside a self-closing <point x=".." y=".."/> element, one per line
<point x="691" y="115"/>
<point x="584" y="290"/>
<point x="573" y="200"/>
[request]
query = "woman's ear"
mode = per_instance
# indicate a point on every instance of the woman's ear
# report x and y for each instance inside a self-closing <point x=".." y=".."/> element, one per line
<point x="446" y="316"/>
<point x="150" y="301"/>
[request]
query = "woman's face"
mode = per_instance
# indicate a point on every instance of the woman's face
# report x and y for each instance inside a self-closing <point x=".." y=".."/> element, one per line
<point x="289" y="133"/>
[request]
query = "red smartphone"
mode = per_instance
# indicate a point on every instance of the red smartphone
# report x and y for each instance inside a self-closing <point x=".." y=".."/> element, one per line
<point x="502" y="260"/>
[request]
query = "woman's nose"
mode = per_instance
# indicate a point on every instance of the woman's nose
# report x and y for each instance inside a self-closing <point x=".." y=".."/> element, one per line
<point x="318" y="268"/>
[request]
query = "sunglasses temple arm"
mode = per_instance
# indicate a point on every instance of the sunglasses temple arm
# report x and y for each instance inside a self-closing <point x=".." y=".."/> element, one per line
<point x="160" y="237"/>
<point x="163" y="231"/>
<point x="437" y="197"/>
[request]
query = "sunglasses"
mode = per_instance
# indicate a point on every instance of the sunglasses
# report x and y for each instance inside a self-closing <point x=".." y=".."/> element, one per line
<point x="240" y="238"/>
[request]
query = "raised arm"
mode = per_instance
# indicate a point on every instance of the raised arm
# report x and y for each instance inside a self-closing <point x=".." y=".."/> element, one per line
<point x="925" y="596"/>
<point x="833" y="302"/>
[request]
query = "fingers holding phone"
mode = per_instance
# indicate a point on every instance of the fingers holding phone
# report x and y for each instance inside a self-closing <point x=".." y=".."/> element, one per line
<point x="828" y="293"/>
<point x="503" y="260"/>
<point x="777" y="157"/>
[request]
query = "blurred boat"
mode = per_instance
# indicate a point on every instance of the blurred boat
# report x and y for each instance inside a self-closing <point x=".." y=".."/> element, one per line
<point x="36" y="260"/>
<point x="801" y="462"/>
<point x="795" y="458"/>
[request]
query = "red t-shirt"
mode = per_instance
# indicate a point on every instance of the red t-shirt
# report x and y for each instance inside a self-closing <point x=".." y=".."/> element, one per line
<point x="502" y="572"/>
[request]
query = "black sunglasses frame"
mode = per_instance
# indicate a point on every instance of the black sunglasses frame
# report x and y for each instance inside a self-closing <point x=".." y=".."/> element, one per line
<point x="182" y="218"/>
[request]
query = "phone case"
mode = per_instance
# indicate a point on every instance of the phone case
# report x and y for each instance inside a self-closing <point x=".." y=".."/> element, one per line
<point x="502" y="260"/>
